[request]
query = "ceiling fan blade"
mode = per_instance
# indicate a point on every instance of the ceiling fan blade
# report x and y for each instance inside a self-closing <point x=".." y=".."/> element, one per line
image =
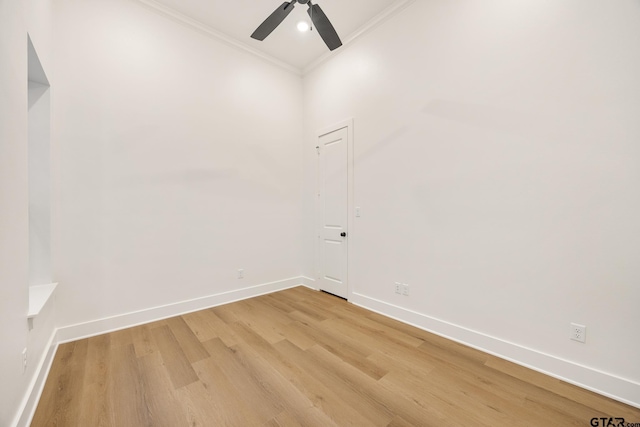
<point x="273" y="20"/>
<point x="324" y="27"/>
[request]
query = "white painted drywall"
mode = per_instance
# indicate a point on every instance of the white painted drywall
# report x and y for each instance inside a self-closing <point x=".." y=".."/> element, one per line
<point x="497" y="167"/>
<point x="39" y="166"/>
<point x="39" y="24"/>
<point x="179" y="163"/>
<point x="14" y="249"/>
<point x="16" y="19"/>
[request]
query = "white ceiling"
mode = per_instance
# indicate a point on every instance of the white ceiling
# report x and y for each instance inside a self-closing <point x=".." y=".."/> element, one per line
<point x="237" y="19"/>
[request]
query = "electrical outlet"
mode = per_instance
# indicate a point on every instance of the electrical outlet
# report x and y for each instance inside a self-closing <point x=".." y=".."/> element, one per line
<point x="405" y="290"/>
<point x="24" y="360"/>
<point x="578" y="332"/>
<point x="240" y="273"/>
<point x="398" y="288"/>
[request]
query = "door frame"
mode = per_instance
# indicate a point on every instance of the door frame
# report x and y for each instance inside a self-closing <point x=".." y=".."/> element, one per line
<point x="347" y="123"/>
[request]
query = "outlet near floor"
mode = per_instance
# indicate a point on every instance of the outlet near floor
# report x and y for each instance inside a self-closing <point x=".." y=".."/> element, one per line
<point x="578" y="332"/>
<point x="401" y="289"/>
<point x="398" y="288"/>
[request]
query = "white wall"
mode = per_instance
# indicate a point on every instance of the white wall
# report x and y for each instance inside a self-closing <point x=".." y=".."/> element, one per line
<point x="14" y="250"/>
<point x="179" y="163"/>
<point x="16" y="19"/>
<point x="497" y="167"/>
<point x="39" y="130"/>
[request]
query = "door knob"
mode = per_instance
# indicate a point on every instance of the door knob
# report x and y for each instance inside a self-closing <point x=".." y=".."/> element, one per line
<point x="343" y="234"/>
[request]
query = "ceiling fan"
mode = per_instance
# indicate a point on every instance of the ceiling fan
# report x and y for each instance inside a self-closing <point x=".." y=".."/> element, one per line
<point x="318" y="18"/>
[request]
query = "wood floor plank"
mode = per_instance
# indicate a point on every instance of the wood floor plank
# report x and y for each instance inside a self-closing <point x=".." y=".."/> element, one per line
<point x="143" y="341"/>
<point x="372" y="390"/>
<point x="368" y="410"/>
<point x="343" y="347"/>
<point x="264" y="314"/>
<point x="399" y="326"/>
<point x="559" y="417"/>
<point x="281" y="388"/>
<point x="294" y="332"/>
<point x="431" y="392"/>
<point x="299" y="357"/>
<point x="266" y="329"/>
<point x="97" y="384"/>
<point x="63" y="401"/>
<point x="300" y="377"/>
<point x="189" y="343"/>
<point x="200" y="407"/>
<point x="127" y="388"/>
<point x="223" y="392"/>
<point x="370" y="326"/>
<point x="275" y="301"/>
<point x="162" y="409"/>
<point x="412" y="409"/>
<point x="156" y="324"/>
<point x="121" y="338"/>
<point x="527" y="376"/>
<point x="202" y="325"/>
<point x="176" y="362"/>
<point x="482" y="381"/>
<point x="268" y="313"/>
<point x="398" y="421"/>
<point x="390" y="362"/>
<point x="227" y="312"/>
<point x="372" y="340"/>
<point x="304" y="318"/>
<point x="265" y="404"/>
<point x="284" y="419"/>
<point x="318" y="315"/>
<point x="222" y="328"/>
<point x="206" y="406"/>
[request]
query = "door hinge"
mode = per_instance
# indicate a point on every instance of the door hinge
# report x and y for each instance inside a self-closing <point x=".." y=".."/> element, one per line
<point x="318" y="149"/>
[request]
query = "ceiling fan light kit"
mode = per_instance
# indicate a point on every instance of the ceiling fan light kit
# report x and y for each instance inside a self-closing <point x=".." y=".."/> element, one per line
<point x="318" y="19"/>
<point x="303" y="26"/>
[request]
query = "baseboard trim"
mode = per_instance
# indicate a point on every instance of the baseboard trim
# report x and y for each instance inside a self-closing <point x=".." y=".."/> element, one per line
<point x="128" y="320"/>
<point x="603" y="383"/>
<point x="31" y="398"/>
<point x="308" y="282"/>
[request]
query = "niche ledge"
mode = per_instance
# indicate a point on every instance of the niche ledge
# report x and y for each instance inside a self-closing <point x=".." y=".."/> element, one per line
<point x="38" y="297"/>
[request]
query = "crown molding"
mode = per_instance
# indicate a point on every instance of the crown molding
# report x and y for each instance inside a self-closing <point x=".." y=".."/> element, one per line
<point x="209" y="31"/>
<point x="397" y="7"/>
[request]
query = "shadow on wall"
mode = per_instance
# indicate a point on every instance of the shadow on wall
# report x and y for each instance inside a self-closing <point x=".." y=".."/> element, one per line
<point x="260" y="170"/>
<point x="501" y="120"/>
<point x="507" y="121"/>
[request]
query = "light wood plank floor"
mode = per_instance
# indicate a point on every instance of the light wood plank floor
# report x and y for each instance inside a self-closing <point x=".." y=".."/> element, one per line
<point x="300" y="358"/>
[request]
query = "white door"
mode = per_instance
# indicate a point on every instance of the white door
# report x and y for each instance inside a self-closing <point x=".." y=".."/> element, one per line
<point x="333" y="201"/>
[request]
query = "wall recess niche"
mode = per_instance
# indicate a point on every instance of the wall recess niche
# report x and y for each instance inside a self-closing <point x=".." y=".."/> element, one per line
<point x="41" y="287"/>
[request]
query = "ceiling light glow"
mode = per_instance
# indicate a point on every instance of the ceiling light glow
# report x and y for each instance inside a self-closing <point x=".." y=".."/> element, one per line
<point x="303" y="26"/>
